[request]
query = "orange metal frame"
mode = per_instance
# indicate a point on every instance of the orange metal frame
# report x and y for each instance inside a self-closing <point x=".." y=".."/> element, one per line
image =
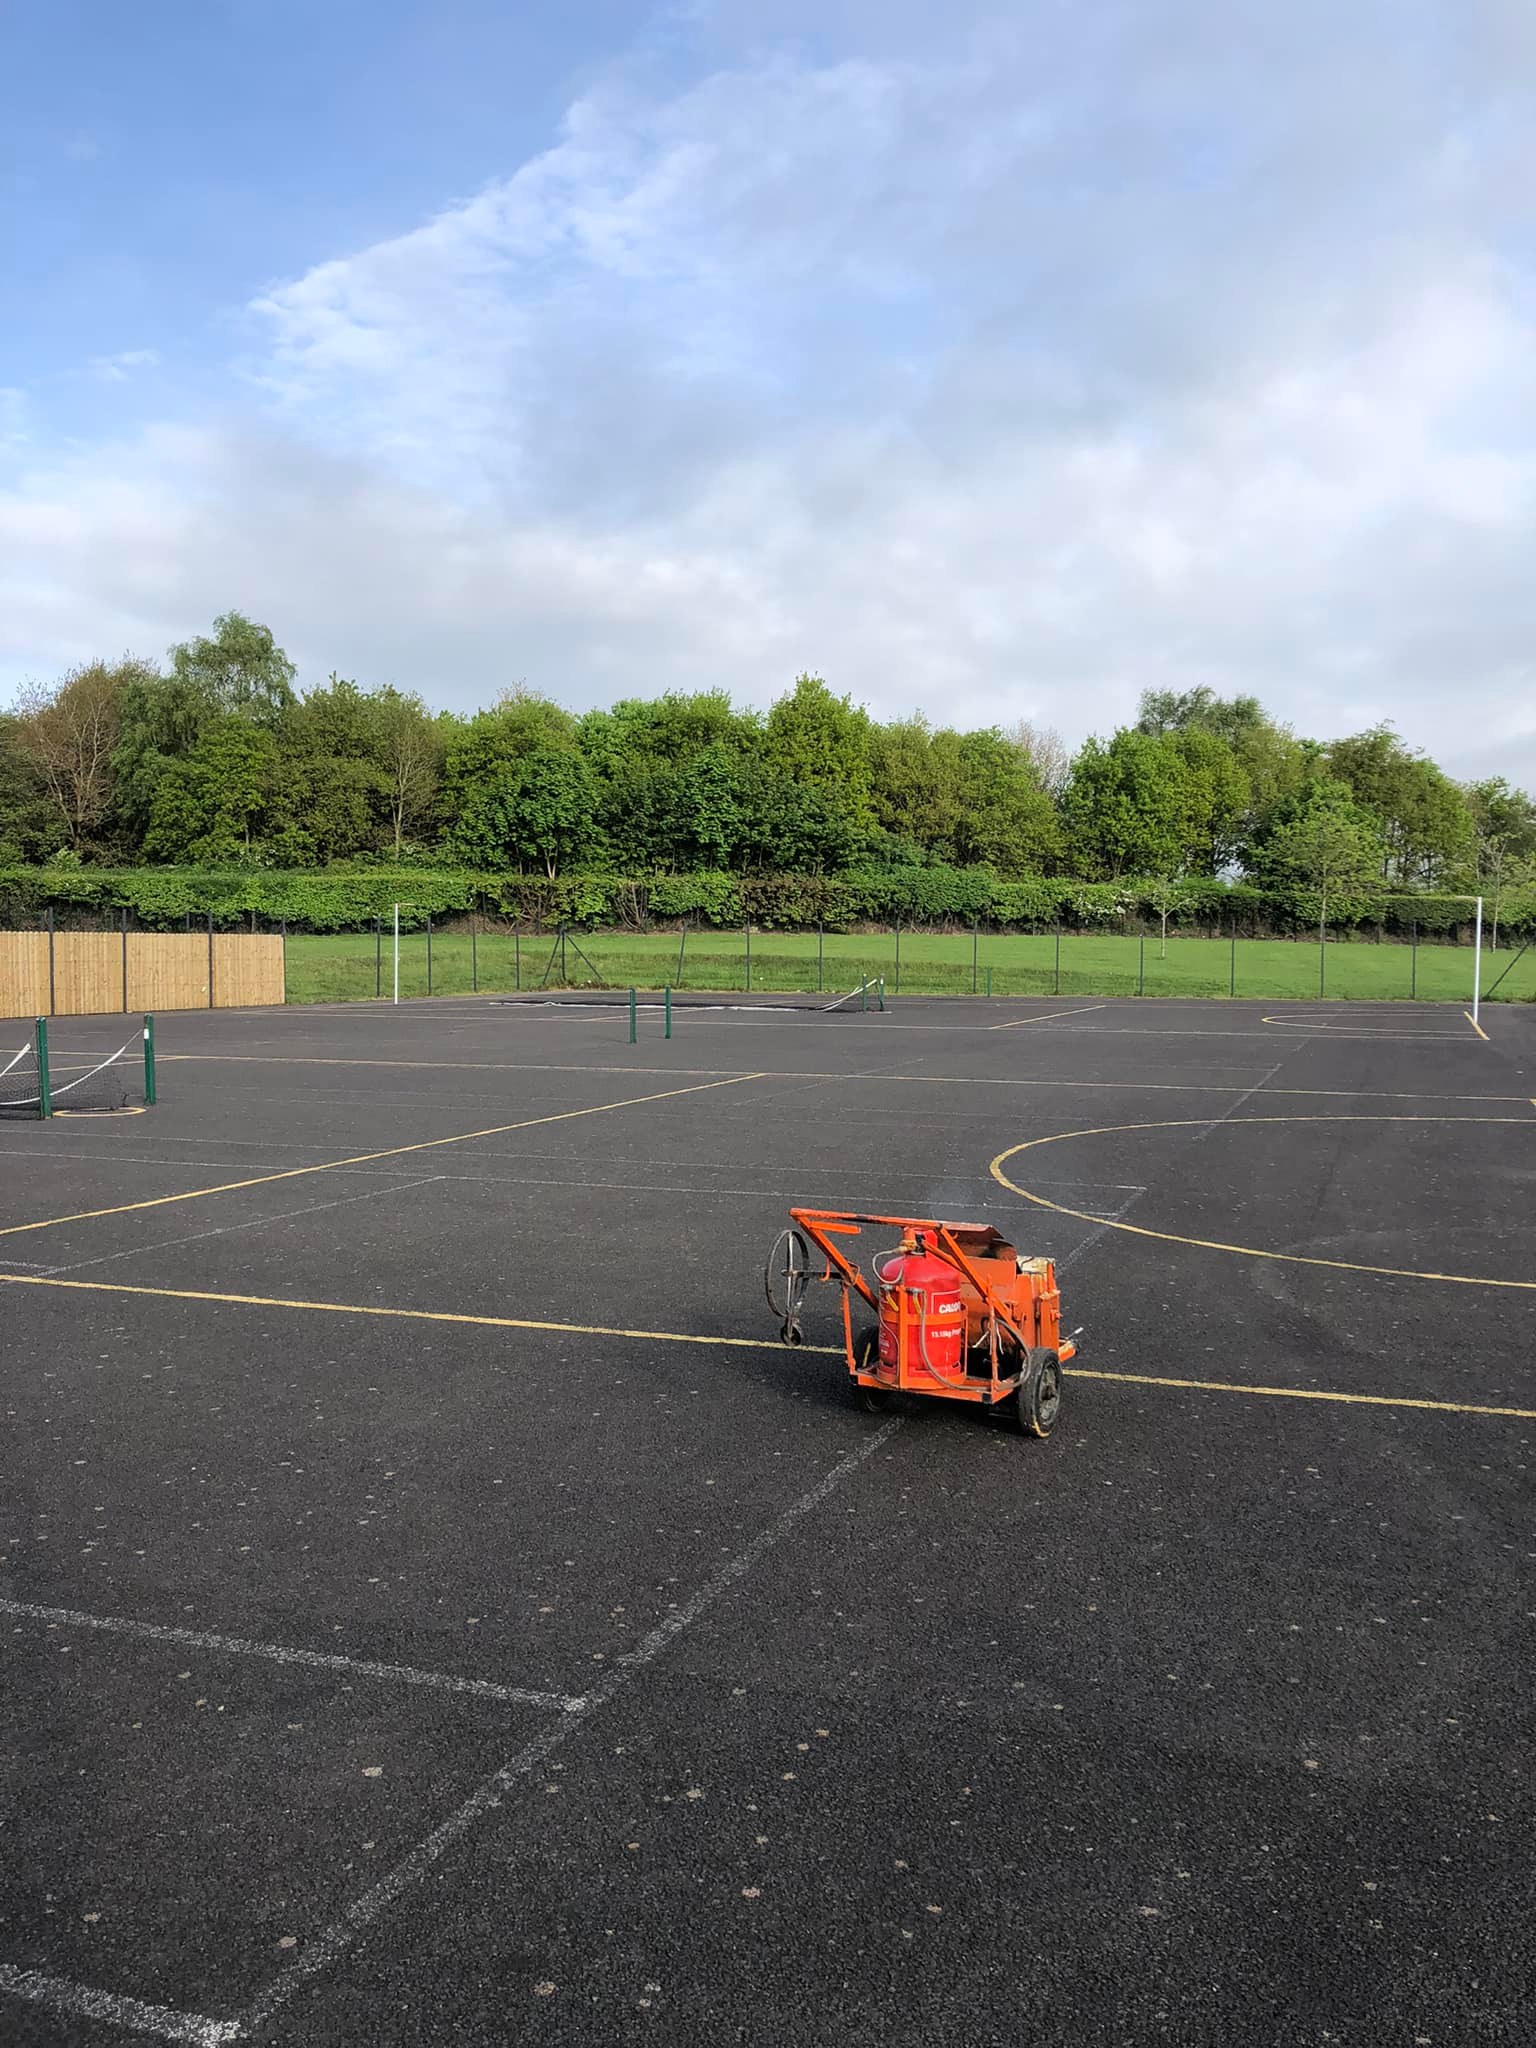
<point x="997" y="1303"/>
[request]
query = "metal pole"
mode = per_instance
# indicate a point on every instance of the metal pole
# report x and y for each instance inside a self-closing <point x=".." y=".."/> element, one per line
<point x="378" y="954"/>
<point x="668" y="995"/>
<point x="474" y="955"/>
<point x="1477" y="963"/>
<point x="1322" y="948"/>
<point x="125" y="959"/>
<point x="517" y="960"/>
<point x="149" y="1059"/>
<point x="896" y="991"/>
<point x="44" y="1085"/>
<point x="52" y="998"/>
<point x="1232" y="974"/>
<point x="1141" y="965"/>
<point x="429" y="952"/>
<point x="975" y="949"/>
<point x="682" y="946"/>
<point x="210" y="959"/>
<point x="749" y="956"/>
<point x="1413" y="966"/>
<point x="1058" y="960"/>
<point x="989" y="981"/>
<point x="397" y="952"/>
<point x="564" y="978"/>
<point x="820" y="957"/>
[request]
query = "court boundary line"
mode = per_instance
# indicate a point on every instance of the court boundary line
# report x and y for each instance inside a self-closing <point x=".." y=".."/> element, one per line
<point x="116" y="2008"/>
<point x="1249" y="1251"/>
<point x="763" y="1344"/>
<point x="368" y="1158"/>
<point x="1018" y="1023"/>
<point x="282" y="1653"/>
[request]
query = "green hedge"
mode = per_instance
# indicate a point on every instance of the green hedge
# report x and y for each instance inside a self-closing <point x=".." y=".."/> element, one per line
<point x="349" y="899"/>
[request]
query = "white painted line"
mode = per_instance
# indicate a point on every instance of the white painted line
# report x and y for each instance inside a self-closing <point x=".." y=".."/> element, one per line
<point x="362" y="1913"/>
<point x="279" y="1653"/>
<point x="160" y="1244"/>
<point x="80" y="2001"/>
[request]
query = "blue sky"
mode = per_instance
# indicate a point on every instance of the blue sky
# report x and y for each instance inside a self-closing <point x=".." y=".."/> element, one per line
<point x="997" y="361"/>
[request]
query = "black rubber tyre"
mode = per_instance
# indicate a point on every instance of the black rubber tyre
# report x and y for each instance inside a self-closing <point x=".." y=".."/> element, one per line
<point x="1037" y="1403"/>
<point x="866" y="1354"/>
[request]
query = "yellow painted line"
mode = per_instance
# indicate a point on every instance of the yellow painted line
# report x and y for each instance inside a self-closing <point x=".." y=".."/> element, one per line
<point x="410" y="1315"/>
<point x="366" y="1158"/>
<point x="427" y="1315"/>
<point x="1146" y="1379"/>
<point x="1249" y="1251"/>
<point x="1046" y="1016"/>
<point x="237" y="1059"/>
<point x="1476" y="1026"/>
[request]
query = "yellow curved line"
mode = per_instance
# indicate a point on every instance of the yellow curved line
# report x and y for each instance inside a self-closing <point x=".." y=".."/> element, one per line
<point x="1248" y="1251"/>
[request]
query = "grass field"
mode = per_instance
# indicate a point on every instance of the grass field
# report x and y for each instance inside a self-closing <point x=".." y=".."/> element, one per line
<point x="349" y="967"/>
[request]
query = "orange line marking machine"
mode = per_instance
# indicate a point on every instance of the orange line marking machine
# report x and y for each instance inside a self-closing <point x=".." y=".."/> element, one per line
<point x="959" y="1313"/>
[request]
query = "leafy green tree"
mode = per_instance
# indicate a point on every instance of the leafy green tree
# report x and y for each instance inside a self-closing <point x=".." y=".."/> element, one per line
<point x="407" y="744"/>
<point x="548" y="817"/>
<point x="822" y="742"/>
<point x="30" y="826"/>
<point x="239" y="670"/>
<point x="1324" y="840"/>
<point x="1427" y="834"/>
<point x="69" y="735"/>
<point x="1003" y="819"/>
<point x="1126" y="809"/>
<point x="211" y="805"/>
<point x="1217" y="800"/>
<point x="1504" y="839"/>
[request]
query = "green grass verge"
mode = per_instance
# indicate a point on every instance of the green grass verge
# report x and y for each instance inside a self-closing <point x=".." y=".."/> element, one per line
<point x="346" y="967"/>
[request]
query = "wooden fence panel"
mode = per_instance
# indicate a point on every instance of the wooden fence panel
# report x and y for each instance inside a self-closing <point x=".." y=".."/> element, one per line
<point x="247" y="970"/>
<point x="87" y="973"/>
<point x="23" y="974"/>
<point x="168" y="970"/>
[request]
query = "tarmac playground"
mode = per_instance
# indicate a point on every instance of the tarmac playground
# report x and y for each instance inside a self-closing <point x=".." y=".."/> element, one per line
<point x="435" y="1609"/>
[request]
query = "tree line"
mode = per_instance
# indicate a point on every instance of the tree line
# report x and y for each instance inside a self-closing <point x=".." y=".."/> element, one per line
<point x="217" y="759"/>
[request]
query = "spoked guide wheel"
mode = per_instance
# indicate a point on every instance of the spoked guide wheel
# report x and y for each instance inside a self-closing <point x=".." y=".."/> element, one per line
<point x="1037" y="1400"/>
<point x="786" y="1276"/>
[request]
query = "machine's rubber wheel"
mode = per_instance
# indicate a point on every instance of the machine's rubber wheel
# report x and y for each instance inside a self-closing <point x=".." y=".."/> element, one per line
<point x="866" y="1353"/>
<point x="1037" y="1401"/>
<point x="786" y="1275"/>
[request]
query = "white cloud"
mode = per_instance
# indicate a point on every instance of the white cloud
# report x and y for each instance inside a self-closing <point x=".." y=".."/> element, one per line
<point x="1100" y="349"/>
<point x="117" y="369"/>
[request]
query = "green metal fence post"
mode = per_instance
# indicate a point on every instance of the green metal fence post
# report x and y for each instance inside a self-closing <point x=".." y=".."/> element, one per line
<point x="125" y="959"/>
<point x="1058" y="960"/>
<point x="668" y="995"/>
<point x="1322" y="955"/>
<point x="975" y="949"/>
<point x="429" y="952"/>
<point x="631" y="1016"/>
<point x="897" y="988"/>
<point x="1413" y="969"/>
<point x="517" y="960"/>
<point x="378" y="956"/>
<point x="52" y="997"/>
<point x="44" y="1086"/>
<point x="474" y="951"/>
<point x="1141" y="965"/>
<point x="820" y="957"/>
<point x="682" y="947"/>
<point x="149" y="1058"/>
<point x="563" y="981"/>
<point x="1232" y="972"/>
<point x="749" y="956"/>
<point x="989" y="981"/>
<point x="210" y="959"/>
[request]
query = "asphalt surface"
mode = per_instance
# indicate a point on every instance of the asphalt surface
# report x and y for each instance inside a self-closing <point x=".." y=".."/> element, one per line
<point x="400" y="1678"/>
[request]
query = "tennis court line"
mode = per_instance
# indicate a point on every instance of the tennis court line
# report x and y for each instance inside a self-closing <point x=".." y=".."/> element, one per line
<point x="366" y="1158"/>
<point x="134" y="2015"/>
<point x="1046" y="1016"/>
<point x="435" y="1315"/>
<point x="279" y="1653"/>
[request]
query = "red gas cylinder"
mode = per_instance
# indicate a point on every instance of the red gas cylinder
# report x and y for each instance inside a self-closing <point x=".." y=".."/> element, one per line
<point x="935" y="1311"/>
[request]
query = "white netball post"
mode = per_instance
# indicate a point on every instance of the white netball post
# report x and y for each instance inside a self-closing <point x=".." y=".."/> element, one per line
<point x="1477" y="961"/>
<point x="397" y="952"/>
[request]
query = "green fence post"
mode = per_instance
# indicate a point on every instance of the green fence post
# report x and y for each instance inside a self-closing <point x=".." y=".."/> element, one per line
<point x="749" y="956"/>
<point x="44" y="1087"/>
<point x="897" y="989"/>
<point x="429" y="952"/>
<point x="1057" y="989"/>
<point x="631" y="1016"/>
<point x="149" y="1058"/>
<point x="989" y="981"/>
<point x="1141" y="965"/>
<point x="210" y="959"/>
<point x="863" y="993"/>
<point x="517" y="960"/>
<point x="1232" y="972"/>
<point x="125" y="959"/>
<point x="52" y="997"/>
<point x="1322" y="956"/>
<point x="682" y="947"/>
<point x="668" y="995"/>
<point x="820" y="956"/>
<point x="474" y="953"/>
<point x="975" y="949"/>
<point x="1413" y="969"/>
<point x="564" y="983"/>
<point x="378" y="956"/>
